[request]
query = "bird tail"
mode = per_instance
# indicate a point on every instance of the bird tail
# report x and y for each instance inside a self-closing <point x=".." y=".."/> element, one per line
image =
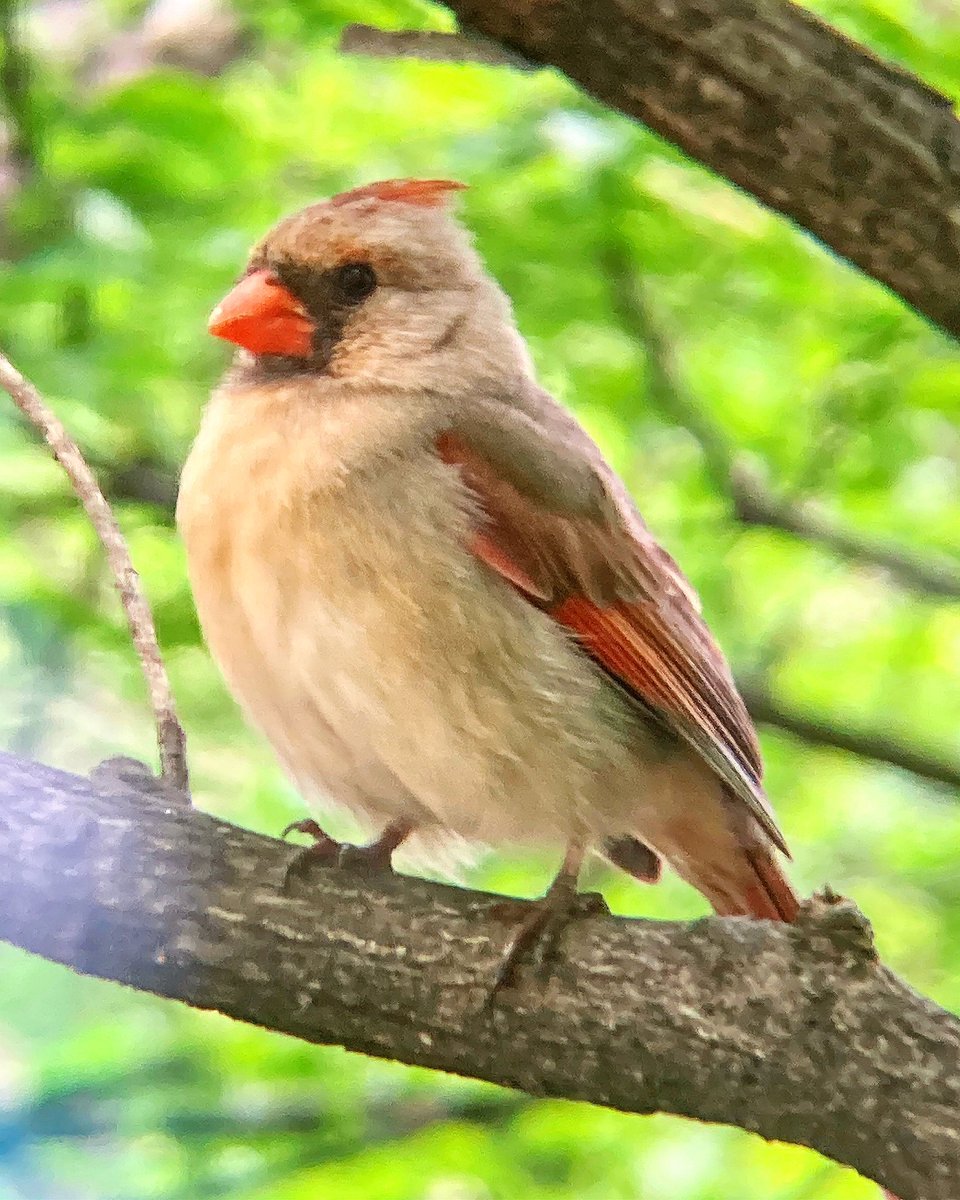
<point x="733" y="863"/>
<point x="772" y="895"/>
<point x="713" y="841"/>
<point x="753" y="884"/>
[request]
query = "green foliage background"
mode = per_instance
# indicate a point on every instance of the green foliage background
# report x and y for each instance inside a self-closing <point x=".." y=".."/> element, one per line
<point x="147" y="193"/>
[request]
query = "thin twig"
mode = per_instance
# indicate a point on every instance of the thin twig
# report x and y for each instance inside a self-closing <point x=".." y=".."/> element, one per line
<point x="430" y="46"/>
<point x="927" y="574"/>
<point x="170" y="736"/>
<point x="811" y="727"/>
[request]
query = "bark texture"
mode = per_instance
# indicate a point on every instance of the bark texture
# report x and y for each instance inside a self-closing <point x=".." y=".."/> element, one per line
<point x="796" y="1032"/>
<point x="862" y="154"/>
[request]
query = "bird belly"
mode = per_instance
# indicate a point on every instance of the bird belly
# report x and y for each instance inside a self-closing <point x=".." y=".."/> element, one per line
<point x="395" y="674"/>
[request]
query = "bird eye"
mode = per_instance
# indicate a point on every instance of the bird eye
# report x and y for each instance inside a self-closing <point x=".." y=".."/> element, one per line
<point x="355" y="281"/>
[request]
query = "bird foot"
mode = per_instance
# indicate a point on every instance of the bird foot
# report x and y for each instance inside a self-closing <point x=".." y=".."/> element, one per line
<point x="539" y="926"/>
<point x="372" y="858"/>
<point x="325" y="852"/>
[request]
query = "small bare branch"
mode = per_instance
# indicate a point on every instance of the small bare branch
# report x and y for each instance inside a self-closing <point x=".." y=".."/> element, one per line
<point x="753" y="504"/>
<point x="813" y="728"/>
<point x="170" y="736"/>
<point x="928" y="574"/>
<point x="429" y="46"/>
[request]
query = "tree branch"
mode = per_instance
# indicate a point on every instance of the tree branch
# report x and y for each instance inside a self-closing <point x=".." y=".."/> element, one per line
<point x="753" y="502"/>
<point x="171" y="740"/>
<point x="859" y="152"/>
<point x="865" y="743"/>
<point x="795" y="1032"/>
<point x="927" y="574"/>
<point x="84" y="1112"/>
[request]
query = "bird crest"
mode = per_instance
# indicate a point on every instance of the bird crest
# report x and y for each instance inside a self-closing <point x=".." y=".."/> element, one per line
<point x="427" y="193"/>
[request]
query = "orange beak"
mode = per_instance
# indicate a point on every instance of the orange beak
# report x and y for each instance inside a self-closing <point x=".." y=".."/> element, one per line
<point x="262" y="316"/>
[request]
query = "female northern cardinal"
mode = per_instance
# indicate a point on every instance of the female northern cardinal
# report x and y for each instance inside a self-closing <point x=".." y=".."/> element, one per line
<point x="425" y="585"/>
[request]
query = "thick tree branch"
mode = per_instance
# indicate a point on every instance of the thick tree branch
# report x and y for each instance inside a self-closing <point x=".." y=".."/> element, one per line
<point x="859" y="152"/>
<point x="796" y="1032"/>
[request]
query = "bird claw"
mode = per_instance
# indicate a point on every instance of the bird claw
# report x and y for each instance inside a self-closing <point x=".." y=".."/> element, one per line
<point x="540" y="925"/>
<point x="310" y="828"/>
<point x="323" y="851"/>
<point x="326" y="852"/>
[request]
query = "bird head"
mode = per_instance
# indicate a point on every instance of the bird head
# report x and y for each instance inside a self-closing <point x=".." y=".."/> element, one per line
<point x="378" y="283"/>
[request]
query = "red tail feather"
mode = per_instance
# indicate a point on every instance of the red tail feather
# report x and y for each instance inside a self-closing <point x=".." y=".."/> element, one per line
<point x="772" y="897"/>
<point x="752" y="885"/>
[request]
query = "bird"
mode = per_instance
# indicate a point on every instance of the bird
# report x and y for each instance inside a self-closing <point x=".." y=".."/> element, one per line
<point x="429" y="591"/>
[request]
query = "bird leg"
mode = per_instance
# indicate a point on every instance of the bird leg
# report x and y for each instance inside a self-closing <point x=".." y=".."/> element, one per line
<point x="540" y="923"/>
<point x="325" y="851"/>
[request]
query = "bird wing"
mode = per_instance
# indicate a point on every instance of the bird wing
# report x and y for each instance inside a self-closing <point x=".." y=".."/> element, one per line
<point x="558" y="524"/>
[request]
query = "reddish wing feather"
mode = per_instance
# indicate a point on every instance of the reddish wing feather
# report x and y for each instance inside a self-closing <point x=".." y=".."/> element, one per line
<point x="653" y="642"/>
<point x="635" y="644"/>
<point x="678" y="678"/>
